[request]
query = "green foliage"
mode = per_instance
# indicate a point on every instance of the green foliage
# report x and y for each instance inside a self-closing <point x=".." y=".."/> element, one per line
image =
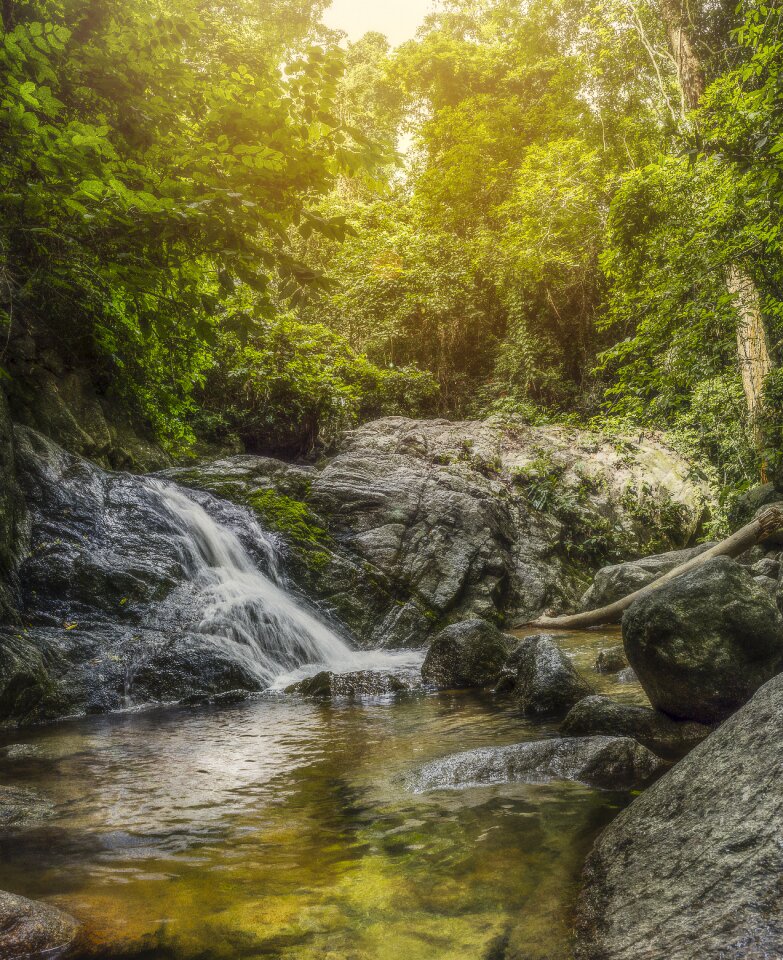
<point x="287" y="516"/>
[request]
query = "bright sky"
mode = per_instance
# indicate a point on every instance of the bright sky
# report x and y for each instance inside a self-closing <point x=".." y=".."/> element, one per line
<point x="397" y="19"/>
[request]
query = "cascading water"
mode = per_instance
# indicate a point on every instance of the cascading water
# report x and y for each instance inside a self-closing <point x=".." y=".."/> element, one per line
<point x="252" y="617"/>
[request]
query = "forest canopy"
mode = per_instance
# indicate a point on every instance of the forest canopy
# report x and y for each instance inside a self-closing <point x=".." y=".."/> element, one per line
<point x="253" y="232"/>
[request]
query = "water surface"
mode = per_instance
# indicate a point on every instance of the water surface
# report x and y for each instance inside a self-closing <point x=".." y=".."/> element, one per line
<point x="285" y="828"/>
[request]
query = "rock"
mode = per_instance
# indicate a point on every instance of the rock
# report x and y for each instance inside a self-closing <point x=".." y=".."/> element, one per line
<point x="602" y="716"/>
<point x="354" y="685"/>
<point x="467" y="654"/>
<point x="11" y="511"/>
<point x="769" y="585"/>
<point x="766" y="567"/>
<point x="622" y="579"/>
<point x="749" y="503"/>
<point x="693" y="867"/>
<point x="627" y="676"/>
<point x="705" y="642"/>
<point x="19" y="805"/>
<point x="543" y="679"/>
<point x="611" y="763"/>
<point x="423" y="523"/>
<point x="31" y="929"/>
<point x="611" y="660"/>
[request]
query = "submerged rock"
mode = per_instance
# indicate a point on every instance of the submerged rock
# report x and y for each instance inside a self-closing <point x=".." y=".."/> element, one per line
<point x="611" y="763"/>
<point x="31" y="929"/>
<point x="467" y="654"/>
<point x="611" y="660"/>
<point x="693" y="867"/>
<point x="702" y="644"/>
<point x="354" y="685"/>
<point x="600" y="715"/>
<point x="19" y="806"/>
<point x="542" y="678"/>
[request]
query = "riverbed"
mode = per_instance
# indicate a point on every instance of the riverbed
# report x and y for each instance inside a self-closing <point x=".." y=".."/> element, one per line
<point x="282" y="827"/>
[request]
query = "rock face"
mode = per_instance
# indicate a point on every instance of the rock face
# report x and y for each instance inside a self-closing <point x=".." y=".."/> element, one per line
<point x="418" y="523"/>
<point x="122" y="599"/>
<point x="621" y="579"/>
<point x="602" y="716"/>
<point x="693" y="867"/>
<point x="542" y="678"/>
<point x="11" y="509"/>
<point x="467" y="654"/>
<point x="704" y="643"/>
<point x="611" y="763"/>
<point x="32" y="929"/>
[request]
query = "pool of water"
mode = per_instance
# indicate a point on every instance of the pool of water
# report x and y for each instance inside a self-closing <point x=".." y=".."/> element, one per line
<point x="285" y="828"/>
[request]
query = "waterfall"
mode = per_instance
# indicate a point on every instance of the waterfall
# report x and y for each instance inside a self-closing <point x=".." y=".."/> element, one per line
<point x="247" y="613"/>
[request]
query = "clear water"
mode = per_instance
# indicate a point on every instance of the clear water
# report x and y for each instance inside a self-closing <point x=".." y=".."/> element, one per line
<point x="284" y="828"/>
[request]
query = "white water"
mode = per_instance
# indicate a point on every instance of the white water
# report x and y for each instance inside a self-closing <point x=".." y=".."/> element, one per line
<point x="242" y="610"/>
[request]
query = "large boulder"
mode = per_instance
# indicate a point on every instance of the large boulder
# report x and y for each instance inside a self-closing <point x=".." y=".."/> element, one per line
<point x="611" y="763"/>
<point x="467" y="654"/>
<point x="702" y="644"/>
<point x="11" y="510"/>
<point x="542" y="678"/>
<point x="30" y="929"/>
<point x="416" y="524"/>
<point x="619" y="580"/>
<point x="693" y="867"/>
<point x="355" y="685"/>
<point x="603" y="716"/>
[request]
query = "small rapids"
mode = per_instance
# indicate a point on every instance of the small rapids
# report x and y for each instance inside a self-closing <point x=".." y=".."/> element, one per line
<point x="248" y="614"/>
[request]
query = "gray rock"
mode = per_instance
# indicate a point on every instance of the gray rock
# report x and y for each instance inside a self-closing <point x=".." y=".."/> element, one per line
<point x="429" y="522"/>
<point x="467" y="654"/>
<point x="622" y="579"/>
<point x="355" y="685"/>
<point x="543" y="679"/>
<point x="692" y="869"/>
<point x="611" y="763"/>
<point x="752" y="501"/>
<point x="702" y="644"/>
<point x="31" y="929"/>
<point x="599" y="715"/>
<point x="627" y="676"/>
<point x="611" y="660"/>
<point x="766" y="567"/>
<point x="11" y="510"/>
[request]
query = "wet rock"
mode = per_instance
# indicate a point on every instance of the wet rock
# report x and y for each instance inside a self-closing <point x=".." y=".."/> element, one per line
<point x="693" y="867"/>
<point x="19" y="806"/>
<point x="11" y="510"/>
<point x="704" y="643"/>
<point x="622" y="579"/>
<point x="542" y="678"/>
<point x="627" y="676"/>
<point x="31" y="929"/>
<point x="354" y="685"/>
<point x="427" y="522"/>
<point x="465" y="655"/>
<point x="611" y="660"/>
<point x="611" y="763"/>
<point x="766" y="567"/>
<point x="602" y="716"/>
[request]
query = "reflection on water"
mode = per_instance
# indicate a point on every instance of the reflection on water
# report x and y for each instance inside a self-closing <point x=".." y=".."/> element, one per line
<point x="284" y="828"/>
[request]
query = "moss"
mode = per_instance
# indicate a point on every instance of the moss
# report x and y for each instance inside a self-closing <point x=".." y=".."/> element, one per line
<point x="290" y="517"/>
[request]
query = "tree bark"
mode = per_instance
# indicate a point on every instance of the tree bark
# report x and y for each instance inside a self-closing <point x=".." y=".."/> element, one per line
<point x="748" y="536"/>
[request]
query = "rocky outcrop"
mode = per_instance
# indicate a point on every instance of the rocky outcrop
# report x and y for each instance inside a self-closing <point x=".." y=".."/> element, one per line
<point x="702" y="644"/>
<point x="611" y="660"/>
<point x="467" y="654"/>
<point x="693" y="867"/>
<point x="602" y="716"/>
<point x="542" y="678"/>
<point x="611" y="763"/>
<point x="619" y="580"/>
<point x="414" y="524"/>
<point x="31" y="929"/>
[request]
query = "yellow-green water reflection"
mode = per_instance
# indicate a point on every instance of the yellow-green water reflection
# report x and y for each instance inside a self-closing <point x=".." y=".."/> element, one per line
<point x="281" y="828"/>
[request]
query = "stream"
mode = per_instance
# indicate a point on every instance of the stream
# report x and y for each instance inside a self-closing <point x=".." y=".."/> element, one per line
<point x="280" y="827"/>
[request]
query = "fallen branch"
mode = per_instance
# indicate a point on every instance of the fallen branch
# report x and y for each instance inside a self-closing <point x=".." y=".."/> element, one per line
<point x="748" y="536"/>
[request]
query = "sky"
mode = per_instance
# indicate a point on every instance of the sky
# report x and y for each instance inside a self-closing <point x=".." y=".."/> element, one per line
<point x="397" y="19"/>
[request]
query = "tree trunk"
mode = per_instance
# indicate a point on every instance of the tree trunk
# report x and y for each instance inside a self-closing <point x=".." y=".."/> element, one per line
<point x="752" y="346"/>
<point x="748" y="536"/>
